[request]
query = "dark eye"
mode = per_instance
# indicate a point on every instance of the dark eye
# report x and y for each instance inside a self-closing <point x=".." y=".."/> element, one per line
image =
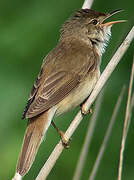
<point x="94" y="21"/>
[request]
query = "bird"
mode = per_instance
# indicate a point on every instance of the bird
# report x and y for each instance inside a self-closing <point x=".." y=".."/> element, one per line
<point x="67" y="77"/>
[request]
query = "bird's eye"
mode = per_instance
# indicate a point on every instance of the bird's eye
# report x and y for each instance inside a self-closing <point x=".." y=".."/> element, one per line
<point x="94" y="21"/>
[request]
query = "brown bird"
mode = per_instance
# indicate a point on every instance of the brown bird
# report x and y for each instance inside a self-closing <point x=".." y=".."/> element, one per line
<point x="67" y="76"/>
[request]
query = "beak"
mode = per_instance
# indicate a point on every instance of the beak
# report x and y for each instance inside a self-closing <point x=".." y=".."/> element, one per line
<point x="112" y="22"/>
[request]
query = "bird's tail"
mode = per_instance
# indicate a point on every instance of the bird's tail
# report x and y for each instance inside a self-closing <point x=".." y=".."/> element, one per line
<point x="35" y="131"/>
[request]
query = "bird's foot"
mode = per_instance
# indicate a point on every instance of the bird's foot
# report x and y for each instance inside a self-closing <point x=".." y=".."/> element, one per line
<point x="84" y="111"/>
<point x="64" y="140"/>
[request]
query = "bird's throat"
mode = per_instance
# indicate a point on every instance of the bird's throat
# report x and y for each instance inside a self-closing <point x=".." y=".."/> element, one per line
<point x="100" y="43"/>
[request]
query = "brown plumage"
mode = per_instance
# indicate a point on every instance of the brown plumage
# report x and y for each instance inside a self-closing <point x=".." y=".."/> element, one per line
<point x="68" y="75"/>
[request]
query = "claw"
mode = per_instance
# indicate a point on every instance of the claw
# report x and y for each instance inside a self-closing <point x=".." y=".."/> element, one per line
<point x="84" y="112"/>
<point x="65" y="142"/>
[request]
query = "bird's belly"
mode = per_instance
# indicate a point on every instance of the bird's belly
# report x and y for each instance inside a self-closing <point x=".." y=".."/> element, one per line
<point x="78" y="95"/>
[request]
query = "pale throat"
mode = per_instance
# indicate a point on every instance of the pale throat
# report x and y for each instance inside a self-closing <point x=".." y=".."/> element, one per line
<point x="101" y="43"/>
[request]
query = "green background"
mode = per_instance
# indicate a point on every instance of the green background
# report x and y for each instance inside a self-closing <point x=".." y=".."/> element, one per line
<point x="28" y="31"/>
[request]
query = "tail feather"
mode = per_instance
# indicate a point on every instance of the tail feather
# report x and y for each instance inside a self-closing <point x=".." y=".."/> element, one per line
<point x="36" y="129"/>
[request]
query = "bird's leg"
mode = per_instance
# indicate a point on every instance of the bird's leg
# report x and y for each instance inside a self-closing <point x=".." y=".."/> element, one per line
<point x="83" y="111"/>
<point x="65" y="142"/>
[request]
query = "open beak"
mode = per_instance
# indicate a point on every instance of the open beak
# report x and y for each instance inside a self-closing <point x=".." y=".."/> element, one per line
<point x="112" y="22"/>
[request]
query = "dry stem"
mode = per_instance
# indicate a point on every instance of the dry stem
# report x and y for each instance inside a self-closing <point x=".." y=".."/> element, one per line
<point x="88" y="138"/>
<point x="87" y="4"/>
<point x="126" y="123"/>
<point x="106" y="137"/>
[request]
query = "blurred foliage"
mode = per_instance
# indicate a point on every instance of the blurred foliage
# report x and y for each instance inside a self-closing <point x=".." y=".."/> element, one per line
<point x="28" y="31"/>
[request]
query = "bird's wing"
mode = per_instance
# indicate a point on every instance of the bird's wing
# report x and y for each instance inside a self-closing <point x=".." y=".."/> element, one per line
<point x="56" y="87"/>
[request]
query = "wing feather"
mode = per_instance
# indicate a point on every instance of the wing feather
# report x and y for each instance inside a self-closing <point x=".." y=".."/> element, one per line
<point x="52" y="93"/>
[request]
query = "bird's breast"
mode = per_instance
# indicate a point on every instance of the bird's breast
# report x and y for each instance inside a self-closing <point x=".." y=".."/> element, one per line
<point x="79" y="94"/>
